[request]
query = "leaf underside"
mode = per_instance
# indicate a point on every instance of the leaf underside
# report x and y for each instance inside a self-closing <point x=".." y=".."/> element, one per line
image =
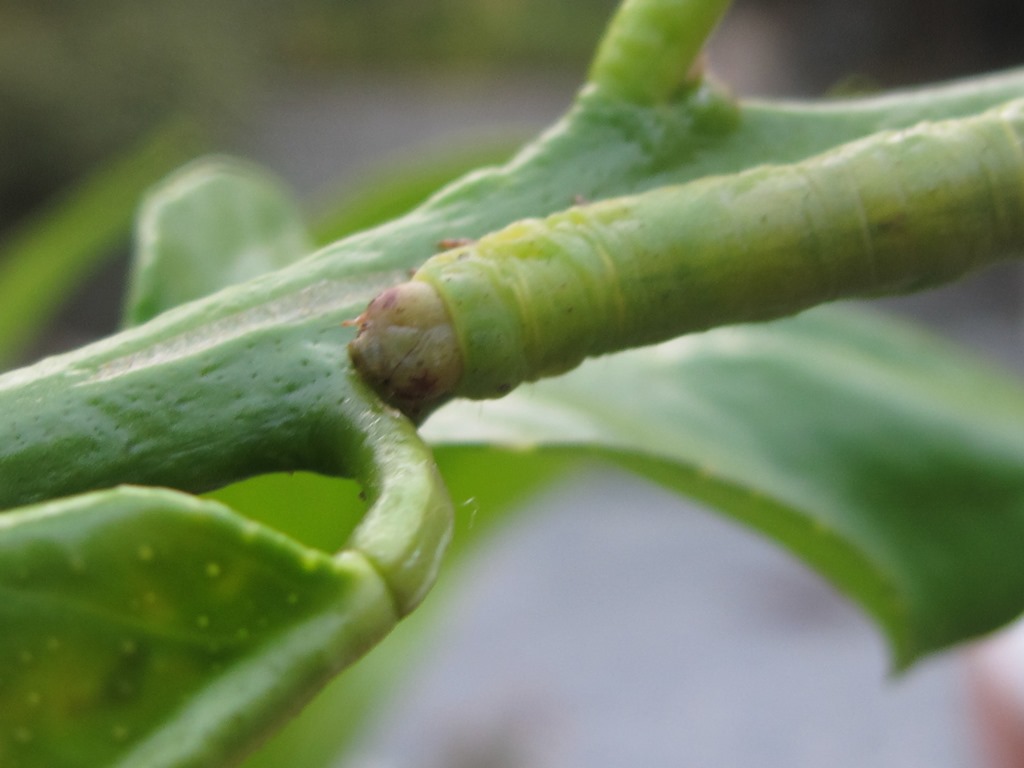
<point x="887" y="460"/>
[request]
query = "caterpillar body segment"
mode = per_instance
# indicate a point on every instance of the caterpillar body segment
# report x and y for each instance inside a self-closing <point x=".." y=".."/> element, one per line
<point x="892" y="213"/>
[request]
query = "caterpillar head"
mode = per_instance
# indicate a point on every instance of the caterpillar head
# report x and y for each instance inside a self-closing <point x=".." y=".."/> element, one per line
<point x="407" y="349"/>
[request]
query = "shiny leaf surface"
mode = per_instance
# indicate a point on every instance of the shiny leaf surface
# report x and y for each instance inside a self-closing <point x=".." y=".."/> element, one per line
<point x="143" y="615"/>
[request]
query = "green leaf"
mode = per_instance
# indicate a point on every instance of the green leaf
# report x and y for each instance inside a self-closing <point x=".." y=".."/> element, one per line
<point x="885" y="459"/>
<point x="190" y="631"/>
<point x="48" y="256"/>
<point x="147" y="628"/>
<point x="216" y="222"/>
<point x="488" y="488"/>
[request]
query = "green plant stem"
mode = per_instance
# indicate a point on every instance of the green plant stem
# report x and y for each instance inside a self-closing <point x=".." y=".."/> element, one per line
<point x="652" y="47"/>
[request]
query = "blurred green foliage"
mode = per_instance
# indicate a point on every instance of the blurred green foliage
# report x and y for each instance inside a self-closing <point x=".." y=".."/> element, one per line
<point x="80" y="80"/>
<point x="397" y="33"/>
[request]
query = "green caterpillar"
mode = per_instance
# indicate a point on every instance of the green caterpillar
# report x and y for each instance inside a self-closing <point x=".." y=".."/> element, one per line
<point x="893" y="213"/>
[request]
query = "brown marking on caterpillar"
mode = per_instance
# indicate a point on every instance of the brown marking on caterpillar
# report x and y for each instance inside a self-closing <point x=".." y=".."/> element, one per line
<point x="385" y="300"/>
<point x="448" y="243"/>
<point x="421" y="385"/>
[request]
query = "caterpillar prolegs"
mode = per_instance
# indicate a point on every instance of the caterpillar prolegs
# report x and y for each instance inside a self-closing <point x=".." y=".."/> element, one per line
<point x="892" y="213"/>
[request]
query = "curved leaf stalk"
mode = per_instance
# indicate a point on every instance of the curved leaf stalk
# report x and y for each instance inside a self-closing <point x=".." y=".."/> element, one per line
<point x="180" y="633"/>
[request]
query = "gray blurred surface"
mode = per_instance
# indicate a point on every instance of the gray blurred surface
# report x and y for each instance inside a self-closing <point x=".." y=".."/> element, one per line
<point x="329" y="136"/>
<point x="618" y="625"/>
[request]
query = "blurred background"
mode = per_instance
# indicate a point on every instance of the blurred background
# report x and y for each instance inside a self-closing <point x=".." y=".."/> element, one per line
<point x="754" y="661"/>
